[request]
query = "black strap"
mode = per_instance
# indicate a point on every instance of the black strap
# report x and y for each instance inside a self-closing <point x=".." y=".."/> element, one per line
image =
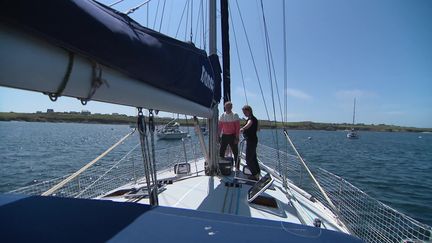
<point x="60" y="89"/>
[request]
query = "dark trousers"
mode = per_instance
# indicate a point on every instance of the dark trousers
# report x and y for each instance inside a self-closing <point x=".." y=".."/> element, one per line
<point x="251" y="156"/>
<point x="228" y="140"/>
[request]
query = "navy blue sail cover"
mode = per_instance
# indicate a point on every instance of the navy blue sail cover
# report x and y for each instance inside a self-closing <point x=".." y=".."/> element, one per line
<point x="113" y="39"/>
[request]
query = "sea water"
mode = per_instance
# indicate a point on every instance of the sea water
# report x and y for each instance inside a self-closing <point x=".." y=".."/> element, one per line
<point x="395" y="168"/>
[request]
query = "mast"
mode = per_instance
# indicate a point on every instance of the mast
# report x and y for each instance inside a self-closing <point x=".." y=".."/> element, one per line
<point x="225" y="51"/>
<point x="354" y="112"/>
<point x="213" y="122"/>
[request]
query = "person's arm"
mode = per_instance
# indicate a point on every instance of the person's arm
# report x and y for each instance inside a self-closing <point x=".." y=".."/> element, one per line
<point x="248" y="124"/>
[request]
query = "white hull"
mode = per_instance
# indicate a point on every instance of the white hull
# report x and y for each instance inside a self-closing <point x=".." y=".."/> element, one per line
<point x="172" y="136"/>
<point x="352" y="135"/>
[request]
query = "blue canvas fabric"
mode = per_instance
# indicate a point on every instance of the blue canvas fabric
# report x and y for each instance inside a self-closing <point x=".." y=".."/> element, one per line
<point x="54" y="219"/>
<point x="113" y="39"/>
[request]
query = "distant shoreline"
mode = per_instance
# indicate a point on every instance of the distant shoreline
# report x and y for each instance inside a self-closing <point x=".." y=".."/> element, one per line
<point x="80" y="117"/>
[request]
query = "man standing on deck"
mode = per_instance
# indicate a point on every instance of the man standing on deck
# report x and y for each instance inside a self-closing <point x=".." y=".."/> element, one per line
<point x="229" y="130"/>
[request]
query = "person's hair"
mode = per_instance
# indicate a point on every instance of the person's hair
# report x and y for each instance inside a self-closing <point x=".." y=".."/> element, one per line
<point x="228" y="103"/>
<point x="248" y="108"/>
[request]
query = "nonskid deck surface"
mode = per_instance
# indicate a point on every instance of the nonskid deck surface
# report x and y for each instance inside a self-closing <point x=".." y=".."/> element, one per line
<point x="228" y="195"/>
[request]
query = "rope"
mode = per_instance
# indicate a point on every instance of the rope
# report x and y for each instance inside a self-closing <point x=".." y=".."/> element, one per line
<point x="285" y="63"/>
<point x="74" y="175"/>
<point x="53" y="96"/>
<point x="238" y="56"/>
<point x="204" y="17"/>
<point x="157" y="11"/>
<point x="198" y="21"/>
<point x="191" y="26"/>
<point x="115" y="3"/>
<point x="181" y="19"/>
<point x="97" y="81"/>
<point x="310" y="173"/>
<point x="137" y="7"/>
<point x="253" y="60"/>
<point x="155" y="183"/>
<point x="285" y="118"/>
<point x="162" y="15"/>
<point x="106" y="172"/>
<point x="269" y="58"/>
<point x="187" y="20"/>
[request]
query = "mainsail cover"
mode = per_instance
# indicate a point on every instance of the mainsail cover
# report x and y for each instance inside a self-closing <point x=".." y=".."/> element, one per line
<point x="113" y="39"/>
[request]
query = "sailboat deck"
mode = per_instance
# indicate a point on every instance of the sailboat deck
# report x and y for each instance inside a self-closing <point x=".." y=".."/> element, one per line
<point x="228" y="195"/>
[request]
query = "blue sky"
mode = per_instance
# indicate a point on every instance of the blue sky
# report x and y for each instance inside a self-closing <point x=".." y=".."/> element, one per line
<point x="378" y="51"/>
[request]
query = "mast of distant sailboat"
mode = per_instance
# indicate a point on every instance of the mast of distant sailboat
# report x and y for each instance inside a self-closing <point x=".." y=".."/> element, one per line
<point x="354" y="113"/>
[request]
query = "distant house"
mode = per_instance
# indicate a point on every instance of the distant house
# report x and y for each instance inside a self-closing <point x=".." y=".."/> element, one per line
<point x="50" y="110"/>
<point x="38" y="112"/>
<point x="115" y="114"/>
<point x="85" y="112"/>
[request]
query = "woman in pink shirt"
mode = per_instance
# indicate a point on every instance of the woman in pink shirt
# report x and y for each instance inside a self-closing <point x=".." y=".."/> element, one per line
<point x="229" y="129"/>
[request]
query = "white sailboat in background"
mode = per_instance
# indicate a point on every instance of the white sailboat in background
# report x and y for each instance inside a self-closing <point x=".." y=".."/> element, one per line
<point x="171" y="131"/>
<point x="353" y="134"/>
<point x="172" y="194"/>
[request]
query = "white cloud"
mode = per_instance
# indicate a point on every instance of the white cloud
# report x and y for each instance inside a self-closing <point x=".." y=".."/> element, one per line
<point x="298" y="94"/>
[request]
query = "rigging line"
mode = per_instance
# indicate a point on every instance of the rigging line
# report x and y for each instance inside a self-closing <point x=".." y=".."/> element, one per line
<point x="107" y="171"/>
<point x="137" y="7"/>
<point x="157" y="11"/>
<point x="268" y="51"/>
<point x="191" y="26"/>
<point x="271" y="63"/>
<point x="275" y="76"/>
<point x="267" y="45"/>
<point x="169" y="16"/>
<point x="181" y="19"/>
<point x="238" y="55"/>
<point x="285" y="91"/>
<point x="204" y="24"/>
<point x="163" y="12"/>
<point x="198" y="21"/>
<point x="285" y="64"/>
<point x="187" y="20"/>
<point x="329" y="201"/>
<point x="115" y="3"/>
<point x="253" y="60"/>
<point x="274" y="135"/>
<point x="78" y="172"/>
<point x="276" y="82"/>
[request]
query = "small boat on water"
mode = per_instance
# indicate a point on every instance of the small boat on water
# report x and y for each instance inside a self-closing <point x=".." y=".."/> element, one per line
<point x="171" y="131"/>
<point x="353" y="134"/>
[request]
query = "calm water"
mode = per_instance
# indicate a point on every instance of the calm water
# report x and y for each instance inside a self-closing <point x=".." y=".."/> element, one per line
<point x="395" y="168"/>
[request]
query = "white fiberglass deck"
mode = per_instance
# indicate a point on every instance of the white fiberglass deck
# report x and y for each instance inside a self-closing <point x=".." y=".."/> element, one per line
<point x="225" y="194"/>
